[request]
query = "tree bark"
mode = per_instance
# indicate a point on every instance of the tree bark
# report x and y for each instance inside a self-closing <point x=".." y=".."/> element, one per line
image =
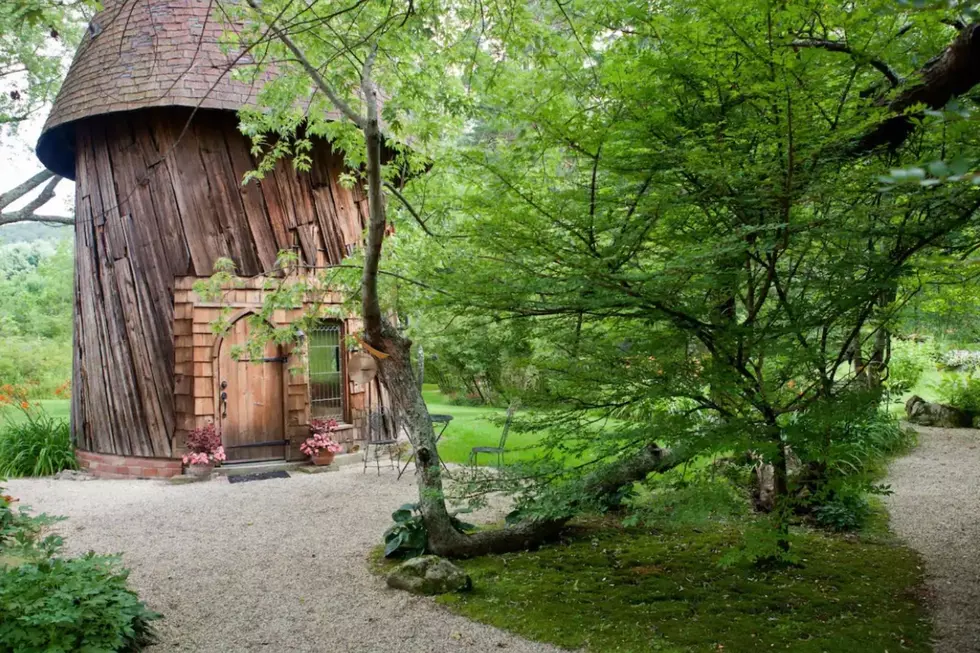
<point x="530" y="533"/>
<point x="950" y="74"/>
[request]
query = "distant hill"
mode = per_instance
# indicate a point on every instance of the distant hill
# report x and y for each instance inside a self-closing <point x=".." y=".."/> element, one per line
<point x="26" y="232"/>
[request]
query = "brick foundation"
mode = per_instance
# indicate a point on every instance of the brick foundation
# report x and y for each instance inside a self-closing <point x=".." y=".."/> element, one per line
<point x="110" y="466"/>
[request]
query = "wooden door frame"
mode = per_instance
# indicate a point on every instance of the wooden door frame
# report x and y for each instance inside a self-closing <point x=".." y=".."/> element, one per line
<point x="216" y="378"/>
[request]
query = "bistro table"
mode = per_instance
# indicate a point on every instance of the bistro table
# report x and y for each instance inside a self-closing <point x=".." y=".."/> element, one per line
<point x="442" y="422"/>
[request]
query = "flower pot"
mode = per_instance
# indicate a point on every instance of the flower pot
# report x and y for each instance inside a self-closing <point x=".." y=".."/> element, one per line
<point x="324" y="457"/>
<point x="199" y="470"/>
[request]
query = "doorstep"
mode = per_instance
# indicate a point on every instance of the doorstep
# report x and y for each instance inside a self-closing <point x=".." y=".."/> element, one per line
<point x="257" y="468"/>
<point x="339" y="460"/>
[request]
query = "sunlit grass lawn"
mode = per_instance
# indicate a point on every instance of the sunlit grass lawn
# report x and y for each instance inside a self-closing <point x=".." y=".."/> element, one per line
<point x="58" y="408"/>
<point x="480" y="426"/>
<point x="474" y="426"/>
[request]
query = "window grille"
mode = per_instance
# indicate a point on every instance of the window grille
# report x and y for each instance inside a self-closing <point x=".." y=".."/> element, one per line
<point x="326" y="371"/>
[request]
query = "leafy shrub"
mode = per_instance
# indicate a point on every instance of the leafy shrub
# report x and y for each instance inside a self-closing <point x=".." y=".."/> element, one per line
<point x="407" y="537"/>
<point x="40" y="365"/>
<point x="51" y="604"/>
<point x="672" y="500"/>
<point x="20" y="531"/>
<point x="73" y="604"/>
<point x="765" y="543"/>
<point x="846" y="511"/>
<point x="960" y="392"/>
<point x="36" y="444"/>
<point x="905" y="369"/>
<point x="843" y="449"/>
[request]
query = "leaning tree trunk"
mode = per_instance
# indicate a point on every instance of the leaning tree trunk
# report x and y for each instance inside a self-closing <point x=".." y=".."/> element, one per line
<point x="396" y="374"/>
<point x="950" y="74"/>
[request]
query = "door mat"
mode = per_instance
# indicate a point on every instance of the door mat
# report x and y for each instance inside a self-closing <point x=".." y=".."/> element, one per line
<point x="261" y="476"/>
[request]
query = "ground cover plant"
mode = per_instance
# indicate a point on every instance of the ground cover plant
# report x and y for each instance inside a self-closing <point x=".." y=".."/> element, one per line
<point x="55" y="604"/>
<point x="637" y="589"/>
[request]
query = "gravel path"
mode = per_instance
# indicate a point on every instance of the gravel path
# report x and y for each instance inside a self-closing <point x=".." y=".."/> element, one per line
<point x="936" y="509"/>
<point x="274" y="566"/>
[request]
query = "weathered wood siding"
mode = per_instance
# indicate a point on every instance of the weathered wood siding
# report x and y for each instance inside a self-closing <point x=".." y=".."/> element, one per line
<point x="158" y="198"/>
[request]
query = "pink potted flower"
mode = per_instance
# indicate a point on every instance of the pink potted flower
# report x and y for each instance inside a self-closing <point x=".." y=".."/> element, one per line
<point x="204" y="451"/>
<point x="320" y="446"/>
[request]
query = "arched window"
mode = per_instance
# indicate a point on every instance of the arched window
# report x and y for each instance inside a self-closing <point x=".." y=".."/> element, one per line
<point x="327" y="370"/>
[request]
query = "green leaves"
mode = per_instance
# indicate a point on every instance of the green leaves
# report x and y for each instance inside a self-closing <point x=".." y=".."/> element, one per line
<point x="54" y="604"/>
<point x="75" y="604"/>
<point x="407" y="537"/>
<point x="34" y="444"/>
<point x="37" y="39"/>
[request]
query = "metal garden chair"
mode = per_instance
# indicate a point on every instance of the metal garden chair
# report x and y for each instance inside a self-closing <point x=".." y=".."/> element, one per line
<point x="500" y="448"/>
<point x="381" y="433"/>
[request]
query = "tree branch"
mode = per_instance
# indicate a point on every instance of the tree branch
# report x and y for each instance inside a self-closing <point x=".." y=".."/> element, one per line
<point x="27" y="212"/>
<point x="17" y="192"/>
<point x="401" y="198"/>
<point x="836" y="46"/>
<point x="952" y="73"/>
<point x="370" y="303"/>
<point x="311" y="70"/>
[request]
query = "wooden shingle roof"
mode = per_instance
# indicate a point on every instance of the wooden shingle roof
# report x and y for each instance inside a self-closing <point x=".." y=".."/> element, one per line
<point x="145" y="53"/>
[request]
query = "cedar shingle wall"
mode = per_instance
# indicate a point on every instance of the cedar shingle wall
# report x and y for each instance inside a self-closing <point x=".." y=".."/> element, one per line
<point x="197" y="352"/>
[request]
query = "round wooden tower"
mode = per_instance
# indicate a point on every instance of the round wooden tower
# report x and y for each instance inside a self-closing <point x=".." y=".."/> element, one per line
<point x="145" y="124"/>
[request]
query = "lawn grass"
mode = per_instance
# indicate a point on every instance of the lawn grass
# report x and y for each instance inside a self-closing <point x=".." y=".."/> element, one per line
<point x="58" y="408"/>
<point x="608" y="589"/>
<point x="475" y="426"/>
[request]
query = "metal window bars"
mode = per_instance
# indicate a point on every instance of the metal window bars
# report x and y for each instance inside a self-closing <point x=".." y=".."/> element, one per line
<point x="326" y="371"/>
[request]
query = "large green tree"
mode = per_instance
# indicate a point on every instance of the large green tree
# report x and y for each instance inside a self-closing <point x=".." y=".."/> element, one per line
<point x="686" y="203"/>
<point x="682" y="200"/>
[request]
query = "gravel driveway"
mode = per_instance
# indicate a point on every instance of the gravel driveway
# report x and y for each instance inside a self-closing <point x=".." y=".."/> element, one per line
<point x="936" y="509"/>
<point x="275" y="565"/>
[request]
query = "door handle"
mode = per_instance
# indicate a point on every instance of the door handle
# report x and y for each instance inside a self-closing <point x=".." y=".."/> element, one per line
<point x="223" y="399"/>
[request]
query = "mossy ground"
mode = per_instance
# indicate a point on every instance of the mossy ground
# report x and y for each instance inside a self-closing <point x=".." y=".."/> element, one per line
<point x="607" y="588"/>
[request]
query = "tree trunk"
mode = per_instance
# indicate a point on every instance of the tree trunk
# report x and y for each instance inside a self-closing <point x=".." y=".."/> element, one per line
<point x="530" y="533"/>
<point x="882" y="348"/>
<point x="950" y="74"/>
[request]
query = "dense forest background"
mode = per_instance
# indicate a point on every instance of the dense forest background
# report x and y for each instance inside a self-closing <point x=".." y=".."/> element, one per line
<point x="36" y="268"/>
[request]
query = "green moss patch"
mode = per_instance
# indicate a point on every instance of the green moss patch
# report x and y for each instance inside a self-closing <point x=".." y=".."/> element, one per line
<point x="608" y="589"/>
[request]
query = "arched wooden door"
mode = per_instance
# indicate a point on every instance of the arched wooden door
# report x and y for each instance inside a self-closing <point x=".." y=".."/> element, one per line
<point x="250" y="399"/>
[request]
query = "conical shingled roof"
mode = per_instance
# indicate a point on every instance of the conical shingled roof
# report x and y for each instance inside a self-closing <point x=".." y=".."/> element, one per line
<point x="144" y="53"/>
